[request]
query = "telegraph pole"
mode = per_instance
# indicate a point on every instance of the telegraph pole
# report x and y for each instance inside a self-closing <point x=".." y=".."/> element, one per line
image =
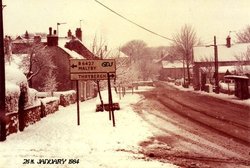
<point x="216" y="67"/>
<point x="2" y="80"/>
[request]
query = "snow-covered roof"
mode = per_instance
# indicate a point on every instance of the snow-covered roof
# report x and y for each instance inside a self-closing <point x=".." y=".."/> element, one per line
<point x="201" y="53"/>
<point x="73" y="54"/>
<point x="236" y="77"/>
<point x="78" y="46"/>
<point x="176" y="64"/>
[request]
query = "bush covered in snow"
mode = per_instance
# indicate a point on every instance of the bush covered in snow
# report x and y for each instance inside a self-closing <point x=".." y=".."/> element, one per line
<point x="32" y="98"/>
<point x="12" y="96"/>
<point x="16" y="83"/>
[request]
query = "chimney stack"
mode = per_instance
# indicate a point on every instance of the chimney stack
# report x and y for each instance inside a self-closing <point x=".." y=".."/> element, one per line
<point x="69" y="34"/>
<point x="79" y="33"/>
<point x="37" y="39"/>
<point x="228" y="42"/>
<point x="52" y="39"/>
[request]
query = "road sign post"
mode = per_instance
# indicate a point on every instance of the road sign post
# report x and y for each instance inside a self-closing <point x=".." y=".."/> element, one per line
<point x="77" y="99"/>
<point x="104" y="69"/>
<point x="111" y="111"/>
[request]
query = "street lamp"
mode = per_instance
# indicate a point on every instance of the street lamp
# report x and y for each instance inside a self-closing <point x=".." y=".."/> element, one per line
<point x="58" y="24"/>
<point x="216" y="65"/>
<point x="81" y="24"/>
<point x="232" y="31"/>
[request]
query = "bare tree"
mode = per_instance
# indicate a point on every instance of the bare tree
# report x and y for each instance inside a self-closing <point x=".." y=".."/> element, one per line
<point x="209" y="68"/>
<point x="50" y="83"/>
<point x="184" y="42"/>
<point x="100" y="48"/>
<point x="244" y="35"/>
<point x="134" y="49"/>
<point x="37" y="60"/>
<point x="240" y="68"/>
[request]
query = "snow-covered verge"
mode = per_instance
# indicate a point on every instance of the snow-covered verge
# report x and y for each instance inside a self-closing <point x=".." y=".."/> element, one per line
<point x="95" y="143"/>
<point x="227" y="97"/>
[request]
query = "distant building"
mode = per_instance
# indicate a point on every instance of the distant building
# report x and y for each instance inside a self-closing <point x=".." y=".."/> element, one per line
<point x="230" y="58"/>
<point x="171" y="68"/>
<point x="61" y="50"/>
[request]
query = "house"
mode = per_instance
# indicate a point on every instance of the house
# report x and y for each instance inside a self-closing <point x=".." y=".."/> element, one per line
<point x="231" y="57"/>
<point x="171" y="67"/>
<point x="59" y="51"/>
<point x="171" y="70"/>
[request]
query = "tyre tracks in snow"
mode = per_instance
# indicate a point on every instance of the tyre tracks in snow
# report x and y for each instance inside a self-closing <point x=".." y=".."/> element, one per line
<point x="208" y="149"/>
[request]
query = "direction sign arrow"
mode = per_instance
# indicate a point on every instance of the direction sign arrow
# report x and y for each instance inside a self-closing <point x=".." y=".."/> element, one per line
<point x="112" y="75"/>
<point x="73" y="66"/>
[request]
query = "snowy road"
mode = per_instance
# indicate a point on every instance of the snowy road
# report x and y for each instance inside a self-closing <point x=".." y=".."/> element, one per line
<point x="194" y="130"/>
<point x="57" y="142"/>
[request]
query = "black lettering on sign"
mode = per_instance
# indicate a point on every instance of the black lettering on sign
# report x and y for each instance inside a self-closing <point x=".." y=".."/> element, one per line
<point x="107" y="64"/>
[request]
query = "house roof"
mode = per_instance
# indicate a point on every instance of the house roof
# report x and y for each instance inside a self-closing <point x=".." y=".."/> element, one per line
<point x="72" y="53"/>
<point x="22" y="40"/>
<point x="201" y="53"/>
<point x="170" y="65"/>
<point x="76" y="45"/>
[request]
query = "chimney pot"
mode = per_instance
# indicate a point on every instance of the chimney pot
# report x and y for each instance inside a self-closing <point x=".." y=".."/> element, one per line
<point x="50" y="31"/>
<point x="228" y="42"/>
<point x="54" y="32"/>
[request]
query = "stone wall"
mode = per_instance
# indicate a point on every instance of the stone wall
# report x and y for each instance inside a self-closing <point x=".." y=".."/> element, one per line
<point x="11" y="123"/>
<point x="11" y="108"/>
<point x="49" y="106"/>
<point x="31" y="115"/>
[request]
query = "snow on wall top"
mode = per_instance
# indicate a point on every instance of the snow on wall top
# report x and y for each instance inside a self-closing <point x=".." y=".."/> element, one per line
<point x="49" y="99"/>
<point x="224" y="53"/>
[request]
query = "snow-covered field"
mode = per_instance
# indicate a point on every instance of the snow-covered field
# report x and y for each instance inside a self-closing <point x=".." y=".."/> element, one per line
<point x="93" y="144"/>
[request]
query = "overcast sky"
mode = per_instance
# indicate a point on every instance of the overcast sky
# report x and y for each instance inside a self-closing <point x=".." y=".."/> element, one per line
<point x="165" y="17"/>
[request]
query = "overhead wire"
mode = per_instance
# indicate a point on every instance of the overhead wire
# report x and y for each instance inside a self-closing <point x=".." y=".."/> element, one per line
<point x="134" y="23"/>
